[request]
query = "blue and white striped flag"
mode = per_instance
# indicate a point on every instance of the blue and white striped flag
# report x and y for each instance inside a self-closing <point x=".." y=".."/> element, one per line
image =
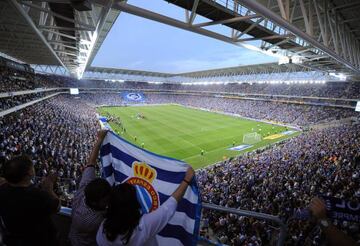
<point x="155" y="178"/>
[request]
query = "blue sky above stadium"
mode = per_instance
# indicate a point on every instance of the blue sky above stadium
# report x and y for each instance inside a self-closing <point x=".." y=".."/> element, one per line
<point x="141" y="44"/>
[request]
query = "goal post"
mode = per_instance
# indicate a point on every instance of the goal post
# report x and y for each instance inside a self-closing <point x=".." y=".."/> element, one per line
<point x="251" y="138"/>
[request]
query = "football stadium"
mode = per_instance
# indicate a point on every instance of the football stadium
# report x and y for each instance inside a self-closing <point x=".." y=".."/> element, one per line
<point x="187" y="122"/>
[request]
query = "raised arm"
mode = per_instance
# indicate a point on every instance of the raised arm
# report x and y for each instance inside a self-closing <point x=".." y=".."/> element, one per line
<point x="157" y="220"/>
<point x="180" y="191"/>
<point x="89" y="172"/>
<point x="333" y="235"/>
<point x="95" y="151"/>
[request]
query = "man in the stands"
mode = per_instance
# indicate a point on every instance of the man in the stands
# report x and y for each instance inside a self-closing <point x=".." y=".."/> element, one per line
<point x="25" y="210"/>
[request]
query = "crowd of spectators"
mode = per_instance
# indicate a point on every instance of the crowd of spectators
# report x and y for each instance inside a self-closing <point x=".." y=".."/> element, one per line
<point x="56" y="133"/>
<point x="296" y="114"/>
<point x="13" y="101"/>
<point x="348" y="90"/>
<point x="281" y="181"/>
<point x="13" y="80"/>
<point x="330" y="89"/>
<point x="300" y="115"/>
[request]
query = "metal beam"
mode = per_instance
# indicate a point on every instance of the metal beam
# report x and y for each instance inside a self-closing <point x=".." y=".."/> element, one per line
<point x="58" y="15"/>
<point x="305" y="15"/>
<point x="66" y="53"/>
<point x="131" y="9"/>
<point x="282" y="8"/>
<point x="61" y="34"/>
<point x="278" y="43"/>
<point x="262" y="10"/>
<point x="250" y="27"/>
<point x="36" y="30"/>
<point x="347" y="6"/>
<point x="264" y="38"/>
<point x="60" y="42"/>
<point x="227" y="21"/>
<point x="100" y="25"/>
<point x="65" y="46"/>
<point x="320" y="21"/>
<point x="65" y="28"/>
<point x="193" y="11"/>
<point x="351" y="20"/>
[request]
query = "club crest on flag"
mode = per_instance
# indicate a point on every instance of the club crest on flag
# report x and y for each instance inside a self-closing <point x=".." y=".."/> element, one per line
<point x="144" y="175"/>
<point x="155" y="178"/>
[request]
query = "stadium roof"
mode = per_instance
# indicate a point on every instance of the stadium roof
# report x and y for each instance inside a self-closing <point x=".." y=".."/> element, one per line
<point x="261" y="73"/>
<point x="322" y="35"/>
<point x="54" y="32"/>
<point x="266" y="68"/>
<point x="319" y="34"/>
<point x="239" y="70"/>
<point x="20" y="41"/>
<point x="107" y="70"/>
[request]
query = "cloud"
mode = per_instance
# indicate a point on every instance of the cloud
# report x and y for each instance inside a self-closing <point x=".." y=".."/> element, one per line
<point x="215" y="60"/>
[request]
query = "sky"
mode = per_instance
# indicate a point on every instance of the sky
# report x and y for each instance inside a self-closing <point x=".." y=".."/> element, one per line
<point x="140" y="44"/>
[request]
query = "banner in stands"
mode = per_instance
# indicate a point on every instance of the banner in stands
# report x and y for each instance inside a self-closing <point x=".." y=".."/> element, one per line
<point x="136" y="97"/>
<point x="240" y="147"/>
<point x="340" y="209"/>
<point x="155" y="179"/>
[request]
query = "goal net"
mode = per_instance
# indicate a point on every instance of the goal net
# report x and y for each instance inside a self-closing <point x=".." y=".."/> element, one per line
<point x="251" y="138"/>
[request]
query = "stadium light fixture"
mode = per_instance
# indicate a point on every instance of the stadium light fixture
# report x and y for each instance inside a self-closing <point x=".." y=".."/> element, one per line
<point x="155" y="82"/>
<point x="115" y="80"/>
<point x="340" y="76"/>
<point x="284" y="60"/>
<point x="297" y="59"/>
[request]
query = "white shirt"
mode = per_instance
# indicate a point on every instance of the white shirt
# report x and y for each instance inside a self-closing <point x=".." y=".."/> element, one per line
<point x="149" y="225"/>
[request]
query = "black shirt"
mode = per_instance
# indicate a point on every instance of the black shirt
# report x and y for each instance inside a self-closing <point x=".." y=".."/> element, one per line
<point x="26" y="216"/>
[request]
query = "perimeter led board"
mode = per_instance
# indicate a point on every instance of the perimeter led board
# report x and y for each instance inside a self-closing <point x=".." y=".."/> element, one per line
<point x="357" y="109"/>
<point x="74" y="91"/>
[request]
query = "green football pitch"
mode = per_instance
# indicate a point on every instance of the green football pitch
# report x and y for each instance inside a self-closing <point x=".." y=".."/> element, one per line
<point x="183" y="133"/>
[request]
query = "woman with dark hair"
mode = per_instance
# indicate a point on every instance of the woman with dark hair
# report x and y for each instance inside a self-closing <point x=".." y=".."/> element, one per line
<point x="125" y="225"/>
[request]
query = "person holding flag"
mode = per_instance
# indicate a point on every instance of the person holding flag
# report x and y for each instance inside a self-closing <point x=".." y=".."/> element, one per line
<point x="124" y="224"/>
<point x="154" y="200"/>
<point x="89" y="201"/>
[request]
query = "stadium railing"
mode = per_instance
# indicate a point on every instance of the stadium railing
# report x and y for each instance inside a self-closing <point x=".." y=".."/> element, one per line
<point x="63" y="222"/>
<point x="256" y="215"/>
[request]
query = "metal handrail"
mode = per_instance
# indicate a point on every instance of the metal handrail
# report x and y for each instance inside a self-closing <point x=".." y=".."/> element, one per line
<point x="247" y="213"/>
<point x="65" y="211"/>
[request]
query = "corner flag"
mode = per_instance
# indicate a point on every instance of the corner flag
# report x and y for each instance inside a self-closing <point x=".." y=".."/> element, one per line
<point x="155" y="178"/>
